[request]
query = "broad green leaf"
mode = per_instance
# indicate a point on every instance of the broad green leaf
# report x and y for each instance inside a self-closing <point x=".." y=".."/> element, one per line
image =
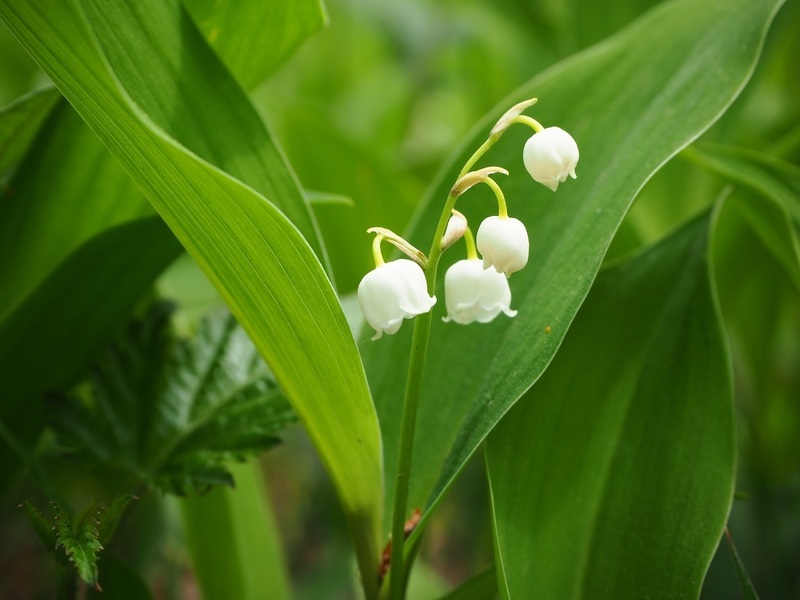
<point x="253" y="37"/>
<point x="19" y="123"/>
<point x="66" y="190"/>
<point x="613" y="477"/>
<point x="223" y="129"/>
<point x="593" y="25"/>
<point x="631" y="103"/>
<point x="48" y="339"/>
<point x="760" y="306"/>
<point x="264" y="269"/>
<point x="54" y="281"/>
<point x="233" y="540"/>
<point x="777" y="219"/>
<point x="174" y="414"/>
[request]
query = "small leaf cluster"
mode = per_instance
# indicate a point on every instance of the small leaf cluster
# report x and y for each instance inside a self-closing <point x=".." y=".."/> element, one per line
<point x="170" y="412"/>
<point x="77" y="541"/>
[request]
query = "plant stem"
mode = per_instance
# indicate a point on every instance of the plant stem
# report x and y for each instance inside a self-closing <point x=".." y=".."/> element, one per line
<point x="469" y="240"/>
<point x="408" y="422"/>
<point x="477" y="154"/>
<point x="66" y="583"/>
<point x="416" y="365"/>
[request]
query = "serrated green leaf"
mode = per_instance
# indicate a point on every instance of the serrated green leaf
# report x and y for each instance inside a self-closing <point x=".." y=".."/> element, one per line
<point x="253" y="37"/>
<point x="174" y="414"/>
<point x="55" y="310"/>
<point x="80" y="541"/>
<point x="19" y="123"/>
<point x="631" y="103"/>
<point x="777" y="219"/>
<point x="116" y="64"/>
<point x="111" y="515"/>
<point x="48" y="340"/>
<point x="626" y="482"/>
<point x="41" y="525"/>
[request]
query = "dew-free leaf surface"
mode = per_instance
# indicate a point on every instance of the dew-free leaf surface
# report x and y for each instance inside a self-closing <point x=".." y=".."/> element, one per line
<point x="158" y="97"/>
<point x="631" y="103"/>
<point x="626" y="480"/>
<point x="253" y="37"/>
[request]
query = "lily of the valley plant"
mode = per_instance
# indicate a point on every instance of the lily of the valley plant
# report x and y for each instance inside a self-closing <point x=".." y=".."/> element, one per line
<point x="476" y="288"/>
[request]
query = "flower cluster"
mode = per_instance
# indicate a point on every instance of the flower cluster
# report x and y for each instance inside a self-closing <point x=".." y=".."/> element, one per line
<point x="476" y="288"/>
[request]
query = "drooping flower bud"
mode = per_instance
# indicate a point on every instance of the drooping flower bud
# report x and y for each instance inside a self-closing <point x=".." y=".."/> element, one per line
<point x="550" y="155"/>
<point x="473" y="293"/>
<point x="456" y="227"/>
<point x="510" y="115"/>
<point x="503" y="243"/>
<point x="392" y="292"/>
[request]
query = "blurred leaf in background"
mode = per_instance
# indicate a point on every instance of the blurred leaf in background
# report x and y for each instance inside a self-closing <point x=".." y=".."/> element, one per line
<point x="174" y="415"/>
<point x="369" y="109"/>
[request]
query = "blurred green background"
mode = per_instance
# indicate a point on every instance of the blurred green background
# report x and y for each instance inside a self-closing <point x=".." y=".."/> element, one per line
<point x="369" y="109"/>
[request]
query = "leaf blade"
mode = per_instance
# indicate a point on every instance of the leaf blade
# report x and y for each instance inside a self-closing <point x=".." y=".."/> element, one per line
<point x="233" y="540"/>
<point x="627" y="488"/>
<point x="253" y="38"/>
<point x="616" y="99"/>
<point x="777" y="220"/>
<point x="262" y="266"/>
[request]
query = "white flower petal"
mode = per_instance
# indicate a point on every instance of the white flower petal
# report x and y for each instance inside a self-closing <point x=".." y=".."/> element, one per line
<point x="474" y="294"/>
<point x="550" y="155"/>
<point x="503" y="243"/>
<point x="392" y="292"/>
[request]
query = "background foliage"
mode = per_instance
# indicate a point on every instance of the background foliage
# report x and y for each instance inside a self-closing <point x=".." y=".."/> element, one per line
<point x="213" y="155"/>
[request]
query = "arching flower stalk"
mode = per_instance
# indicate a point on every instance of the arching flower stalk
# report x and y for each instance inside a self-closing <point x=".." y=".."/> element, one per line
<point x="476" y="289"/>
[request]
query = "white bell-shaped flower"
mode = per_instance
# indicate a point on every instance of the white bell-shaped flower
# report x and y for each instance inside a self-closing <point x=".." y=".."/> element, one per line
<point x="550" y="155"/>
<point x="473" y="293"/>
<point x="392" y="292"/>
<point x="503" y="243"/>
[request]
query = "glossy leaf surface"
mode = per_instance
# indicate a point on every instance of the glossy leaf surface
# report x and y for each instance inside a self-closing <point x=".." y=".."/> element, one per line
<point x="772" y="200"/>
<point x="50" y="338"/>
<point x="19" y="122"/>
<point x="627" y="479"/>
<point x="253" y="37"/>
<point x="203" y="166"/>
<point x="630" y="103"/>
<point x="67" y="190"/>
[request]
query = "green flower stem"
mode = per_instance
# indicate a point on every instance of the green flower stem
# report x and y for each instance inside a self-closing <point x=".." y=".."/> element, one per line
<point x="408" y="422"/>
<point x="523" y="119"/>
<point x="419" y="350"/>
<point x="66" y="583"/>
<point x="529" y="121"/>
<point x="469" y="240"/>
<point x="502" y="209"/>
<point x="376" y="250"/>
<point x="477" y="155"/>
